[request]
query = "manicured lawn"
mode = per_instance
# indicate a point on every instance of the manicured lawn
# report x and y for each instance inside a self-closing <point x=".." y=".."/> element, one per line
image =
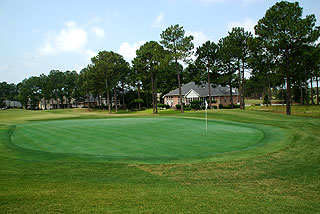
<point x="144" y="140"/>
<point x="281" y="175"/>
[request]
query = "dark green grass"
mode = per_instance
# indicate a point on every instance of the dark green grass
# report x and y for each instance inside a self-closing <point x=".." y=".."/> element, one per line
<point x="143" y="139"/>
<point x="273" y="179"/>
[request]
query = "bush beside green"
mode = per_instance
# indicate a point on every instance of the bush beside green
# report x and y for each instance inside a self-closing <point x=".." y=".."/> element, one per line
<point x="221" y="106"/>
<point x="165" y="106"/>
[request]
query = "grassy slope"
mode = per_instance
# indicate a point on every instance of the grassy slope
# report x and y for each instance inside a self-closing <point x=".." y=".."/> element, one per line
<point x="286" y="181"/>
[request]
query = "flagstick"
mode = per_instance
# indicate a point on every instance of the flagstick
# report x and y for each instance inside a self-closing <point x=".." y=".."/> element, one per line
<point x="206" y="121"/>
<point x="206" y="115"/>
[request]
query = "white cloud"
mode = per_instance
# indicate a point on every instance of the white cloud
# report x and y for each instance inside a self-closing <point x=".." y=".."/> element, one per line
<point x="70" y="39"/>
<point x="90" y="54"/>
<point x="47" y="49"/>
<point x="199" y="37"/>
<point x="99" y="32"/>
<point x="129" y="51"/>
<point x="159" y="21"/>
<point x="248" y="24"/>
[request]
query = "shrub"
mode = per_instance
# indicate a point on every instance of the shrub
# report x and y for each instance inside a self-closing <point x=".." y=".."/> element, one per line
<point x="266" y="100"/>
<point x="228" y="107"/>
<point x="196" y="104"/>
<point x="178" y="106"/>
<point x="137" y="101"/>
<point x="212" y="100"/>
<point x="164" y="106"/>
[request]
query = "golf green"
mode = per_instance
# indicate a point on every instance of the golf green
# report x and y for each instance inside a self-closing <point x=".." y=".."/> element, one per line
<point x="137" y="138"/>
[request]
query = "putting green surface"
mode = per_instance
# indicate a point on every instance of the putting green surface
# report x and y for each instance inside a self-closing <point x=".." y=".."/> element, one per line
<point x="137" y="138"/>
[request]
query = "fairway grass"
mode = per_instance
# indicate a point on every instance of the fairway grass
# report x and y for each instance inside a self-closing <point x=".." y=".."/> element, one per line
<point x="278" y="174"/>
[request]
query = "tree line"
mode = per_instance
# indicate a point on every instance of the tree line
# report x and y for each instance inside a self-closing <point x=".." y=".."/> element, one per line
<point x="283" y="57"/>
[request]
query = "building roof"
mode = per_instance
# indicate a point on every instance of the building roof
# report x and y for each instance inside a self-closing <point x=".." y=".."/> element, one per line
<point x="202" y="90"/>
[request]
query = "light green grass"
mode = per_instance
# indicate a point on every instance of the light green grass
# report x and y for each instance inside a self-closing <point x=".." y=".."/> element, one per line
<point x="259" y="101"/>
<point x="283" y="176"/>
<point x="297" y="110"/>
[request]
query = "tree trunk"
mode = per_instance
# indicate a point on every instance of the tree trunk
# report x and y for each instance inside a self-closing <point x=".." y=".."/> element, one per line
<point x="311" y="88"/>
<point x="123" y="103"/>
<point x="242" y="87"/>
<point x="283" y="82"/>
<point x="57" y="101"/>
<point x="115" y="98"/>
<point x="108" y="97"/>
<point x="89" y="103"/>
<point x="288" y="97"/>
<point x="45" y="103"/>
<point x="301" y="95"/>
<point x="155" y="93"/>
<point x="179" y="83"/>
<point x="317" y="90"/>
<point x="269" y="91"/>
<point x="147" y="100"/>
<point x="230" y="83"/>
<point x="152" y="92"/>
<point x="306" y="88"/>
<point x="231" y="97"/>
<point x="69" y="102"/>
<point x="139" y="96"/>
<point x="61" y="103"/>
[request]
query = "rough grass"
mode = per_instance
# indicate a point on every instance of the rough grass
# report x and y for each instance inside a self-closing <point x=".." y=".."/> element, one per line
<point x="286" y="180"/>
<point x="297" y="110"/>
<point x="259" y="101"/>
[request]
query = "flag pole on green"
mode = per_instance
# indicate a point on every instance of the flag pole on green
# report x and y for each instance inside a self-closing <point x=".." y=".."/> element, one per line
<point x="206" y="103"/>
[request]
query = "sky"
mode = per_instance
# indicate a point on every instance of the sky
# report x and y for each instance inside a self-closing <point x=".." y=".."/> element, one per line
<point x="37" y="36"/>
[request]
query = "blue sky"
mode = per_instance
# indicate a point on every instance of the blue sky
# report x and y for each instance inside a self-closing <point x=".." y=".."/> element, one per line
<point x="37" y="36"/>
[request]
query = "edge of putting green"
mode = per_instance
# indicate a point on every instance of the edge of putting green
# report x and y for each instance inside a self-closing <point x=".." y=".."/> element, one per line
<point x="270" y="143"/>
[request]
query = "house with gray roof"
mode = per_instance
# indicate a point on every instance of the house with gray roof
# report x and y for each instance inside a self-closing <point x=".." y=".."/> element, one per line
<point x="191" y="91"/>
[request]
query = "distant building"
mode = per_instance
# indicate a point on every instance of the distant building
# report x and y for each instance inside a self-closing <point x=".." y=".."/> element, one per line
<point x="12" y="104"/>
<point x="191" y="91"/>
